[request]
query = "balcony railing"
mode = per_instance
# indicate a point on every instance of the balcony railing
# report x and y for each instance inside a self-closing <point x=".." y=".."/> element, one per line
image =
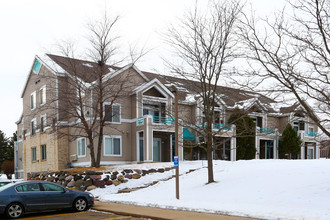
<point x="222" y="126"/>
<point x="310" y="134"/>
<point x="267" y="130"/>
<point x="163" y="120"/>
<point x="157" y="120"/>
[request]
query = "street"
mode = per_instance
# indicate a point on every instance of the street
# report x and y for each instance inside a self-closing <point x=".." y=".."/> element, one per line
<point x="91" y="214"/>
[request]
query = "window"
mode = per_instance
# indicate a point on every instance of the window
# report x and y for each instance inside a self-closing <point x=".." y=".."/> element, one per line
<point x="42" y="123"/>
<point x="81" y="144"/>
<point x="258" y="121"/>
<point x="33" y="100"/>
<point x="311" y="129"/>
<point x="112" y="114"/>
<point x="112" y="146"/>
<point x="52" y="187"/>
<point x="30" y="187"/>
<point x="42" y="95"/>
<point x="37" y="66"/>
<point x="33" y="126"/>
<point x="81" y="93"/>
<point x="34" y="153"/>
<point x="43" y="152"/>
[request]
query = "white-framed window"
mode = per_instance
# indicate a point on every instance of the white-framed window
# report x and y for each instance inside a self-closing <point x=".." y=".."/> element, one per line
<point x="112" y="113"/>
<point x="81" y="93"/>
<point x="43" y="123"/>
<point x="43" y="152"/>
<point x="311" y="129"/>
<point x="42" y="95"/>
<point x="34" y="154"/>
<point x="112" y="145"/>
<point x="33" y="100"/>
<point x="33" y="126"/>
<point x="36" y="67"/>
<point x="81" y="147"/>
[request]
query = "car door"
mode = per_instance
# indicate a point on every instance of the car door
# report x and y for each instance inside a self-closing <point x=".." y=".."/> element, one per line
<point x="56" y="196"/>
<point x="32" y="196"/>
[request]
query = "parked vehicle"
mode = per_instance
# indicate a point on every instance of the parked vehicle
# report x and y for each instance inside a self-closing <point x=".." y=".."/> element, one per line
<point x="33" y="196"/>
<point x="4" y="182"/>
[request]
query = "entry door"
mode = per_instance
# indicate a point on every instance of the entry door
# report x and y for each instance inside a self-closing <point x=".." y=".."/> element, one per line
<point x="141" y="152"/>
<point x="156" y="149"/>
<point x="310" y="153"/>
<point x="270" y="150"/>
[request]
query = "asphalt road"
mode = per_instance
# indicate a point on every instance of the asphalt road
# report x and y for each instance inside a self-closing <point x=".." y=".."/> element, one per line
<point x="68" y="214"/>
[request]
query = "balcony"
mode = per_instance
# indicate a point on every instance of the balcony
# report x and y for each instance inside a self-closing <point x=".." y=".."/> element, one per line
<point x="267" y="130"/>
<point x="157" y="120"/>
<point x="310" y="134"/>
<point x="222" y="127"/>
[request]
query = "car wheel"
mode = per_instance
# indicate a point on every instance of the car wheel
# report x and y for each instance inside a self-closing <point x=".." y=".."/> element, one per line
<point x="80" y="205"/>
<point x="14" y="210"/>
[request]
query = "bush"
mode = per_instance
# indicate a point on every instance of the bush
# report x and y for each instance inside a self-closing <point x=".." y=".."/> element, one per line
<point x="8" y="168"/>
<point x="289" y="143"/>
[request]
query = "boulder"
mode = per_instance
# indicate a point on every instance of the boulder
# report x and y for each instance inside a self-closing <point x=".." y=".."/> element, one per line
<point x="79" y="183"/>
<point x="68" y="178"/>
<point x="113" y="177"/>
<point x="107" y="177"/>
<point x="71" y="183"/>
<point x="89" y="188"/>
<point x="61" y="177"/>
<point x="128" y="171"/>
<point x="120" y="178"/>
<point x="128" y="176"/>
<point x="90" y="172"/>
<point x="168" y="168"/>
<point x="50" y="179"/>
<point x="116" y="182"/>
<point x="98" y="173"/>
<point x="115" y="173"/>
<point x="152" y="171"/>
<point x="145" y="172"/>
<point x="99" y="183"/>
<point x="138" y="171"/>
<point x="89" y="182"/>
<point x="136" y="176"/>
<point x="95" y="177"/>
<point x="108" y="183"/>
<point x="160" y="170"/>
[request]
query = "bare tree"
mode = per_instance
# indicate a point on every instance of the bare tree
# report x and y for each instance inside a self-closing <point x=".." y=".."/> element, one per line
<point x="204" y="44"/>
<point x="290" y="54"/>
<point x="86" y="96"/>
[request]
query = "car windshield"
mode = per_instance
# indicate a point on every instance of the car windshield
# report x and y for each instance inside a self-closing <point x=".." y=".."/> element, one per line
<point x="2" y="188"/>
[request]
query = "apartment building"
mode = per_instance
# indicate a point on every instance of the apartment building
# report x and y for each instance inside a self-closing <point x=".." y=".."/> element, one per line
<point x="142" y="126"/>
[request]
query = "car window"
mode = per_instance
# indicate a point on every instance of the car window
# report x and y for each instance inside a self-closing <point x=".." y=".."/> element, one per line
<point x="30" y="187"/>
<point x="3" y="183"/>
<point x="52" y="187"/>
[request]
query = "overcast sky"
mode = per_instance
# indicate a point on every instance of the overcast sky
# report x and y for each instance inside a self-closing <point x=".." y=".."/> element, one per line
<point x="31" y="27"/>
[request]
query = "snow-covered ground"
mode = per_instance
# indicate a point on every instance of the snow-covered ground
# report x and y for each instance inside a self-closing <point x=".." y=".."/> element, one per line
<point x="269" y="189"/>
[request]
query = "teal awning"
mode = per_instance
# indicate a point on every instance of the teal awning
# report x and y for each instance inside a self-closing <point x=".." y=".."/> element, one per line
<point x="187" y="135"/>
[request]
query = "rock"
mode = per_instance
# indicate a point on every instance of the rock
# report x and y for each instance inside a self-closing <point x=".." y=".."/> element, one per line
<point x="115" y="173"/>
<point x="152" y="171"/>
<point x="128" y="176"/>
<point x="37" y="178"/>
<point x="145" y="172"/>
<point x="95" y="177"/>
<point x="120" y="178"/>
<point x="89" y="182"/>
<point x="50" y="179"/>
<point x="89" y="188"/>
<point x="107" y="177"/>
<point x="99" y="183"/>
<point x="90" y="172"/>
<point x="128" y="171"/>
<point x="73" y="188"/>
<point x="71" y="183"/>
<point x="125" y="181"/>
<point x="108" y="183"/>
<point x="61" y="177"/>
<point x="168" y="168"/>
<point x="68" y="178"/>
<point x="113" y="177"/>
<point x="160" y="170"/>
<point x="79" y="183"/>
<point x="98" y="173"/>
<point x="116" y="182"/>
<point x="136" y="176"/>
<point x="138" y="171"/>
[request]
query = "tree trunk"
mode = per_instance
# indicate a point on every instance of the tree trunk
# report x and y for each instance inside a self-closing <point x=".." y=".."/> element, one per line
<point x="99" y="146"/>
<point x="92" y="153"/>
<point x="210" y="158"/>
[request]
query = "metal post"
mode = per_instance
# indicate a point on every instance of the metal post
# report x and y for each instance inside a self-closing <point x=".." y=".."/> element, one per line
<point x="176" y="142"/>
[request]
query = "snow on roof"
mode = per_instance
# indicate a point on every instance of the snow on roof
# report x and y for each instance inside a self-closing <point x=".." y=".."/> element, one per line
<point x="88" y="65"/>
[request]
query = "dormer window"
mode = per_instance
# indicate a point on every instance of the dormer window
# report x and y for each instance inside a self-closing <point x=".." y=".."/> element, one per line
<point x="36" y="67"/>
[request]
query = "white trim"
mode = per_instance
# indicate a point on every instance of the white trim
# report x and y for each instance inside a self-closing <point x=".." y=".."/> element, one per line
<point x="35" y="125"/>
<point x="34" y="94"/>
<point x="45" y="122"/>
<point x="81" y="156"/>
<point x="121" y="145"/>
<point x="112" y="105"/>
<point x="147" y="136"/>
<point x="126" y="120"/>
<point x="82" y="164"/>
<point x="146" y="85"/>
<point x="40" y="92"/>
<point x="160" y="148"/>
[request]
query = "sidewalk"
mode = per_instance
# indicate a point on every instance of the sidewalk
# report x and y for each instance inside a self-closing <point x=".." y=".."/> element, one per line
<point x="158" y="213"/>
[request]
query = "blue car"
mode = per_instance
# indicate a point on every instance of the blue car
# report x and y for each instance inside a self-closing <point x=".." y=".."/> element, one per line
<point x="34" y="196"/>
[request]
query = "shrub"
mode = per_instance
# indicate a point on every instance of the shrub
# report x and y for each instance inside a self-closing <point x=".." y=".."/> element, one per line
<point x="8" y="168"/>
